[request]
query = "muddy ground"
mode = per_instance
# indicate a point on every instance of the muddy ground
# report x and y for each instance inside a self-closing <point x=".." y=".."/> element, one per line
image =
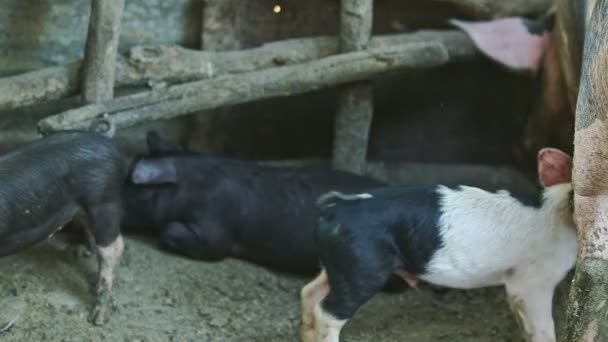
<point x="163" y="297"/>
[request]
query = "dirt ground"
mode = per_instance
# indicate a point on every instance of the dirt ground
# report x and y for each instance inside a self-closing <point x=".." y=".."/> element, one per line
<point x="163" y="297"/>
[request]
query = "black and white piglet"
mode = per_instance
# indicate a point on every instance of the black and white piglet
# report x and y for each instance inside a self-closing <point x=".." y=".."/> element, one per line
<point x="208" y="207"/>
<point x="461" y="237"/>
<point x="64" y="176"/>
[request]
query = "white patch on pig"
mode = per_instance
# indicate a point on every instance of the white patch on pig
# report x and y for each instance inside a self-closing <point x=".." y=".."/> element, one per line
<point x="108" y="258"/>
<point x="154" y="171"/>
<point x="492" y="239"/>
<point x="311" y="295"/>
<point x="488" y="235"/>
<point x="530" y="295"/>
<point x="338" y="195"/>
<point x="327" y="327"/>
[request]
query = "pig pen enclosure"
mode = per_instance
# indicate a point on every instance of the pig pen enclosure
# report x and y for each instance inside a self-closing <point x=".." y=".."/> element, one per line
<point x="396" y="93"/>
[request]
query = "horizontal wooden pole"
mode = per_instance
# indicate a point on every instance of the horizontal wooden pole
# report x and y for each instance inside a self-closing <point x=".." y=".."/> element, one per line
<point x="245" y="87"/>
<point x="172" y="64"/>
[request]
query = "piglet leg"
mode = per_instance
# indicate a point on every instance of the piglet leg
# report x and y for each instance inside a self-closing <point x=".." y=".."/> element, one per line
<point x="327" y="328"/>
<point x="530" y="299"/>
<point x="105" y="223"/>
<point x="108" y="259"/>
<point x="311" y="295"/>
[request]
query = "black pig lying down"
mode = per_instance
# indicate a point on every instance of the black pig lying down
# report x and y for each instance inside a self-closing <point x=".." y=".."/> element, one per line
<point x="64" y="176"/>
<point x="461" y="237"/>
<point x="208" y="208"/>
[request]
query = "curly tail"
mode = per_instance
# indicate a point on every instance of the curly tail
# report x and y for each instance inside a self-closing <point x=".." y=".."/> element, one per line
<point x="103" y="126"/>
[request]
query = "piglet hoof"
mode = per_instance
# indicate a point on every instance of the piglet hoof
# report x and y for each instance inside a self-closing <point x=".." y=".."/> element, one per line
<point x="308" y="335"/>
<point x="104" y="307"/>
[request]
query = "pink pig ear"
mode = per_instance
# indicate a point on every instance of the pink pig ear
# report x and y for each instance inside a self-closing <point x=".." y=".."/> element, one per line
<point x="508" y="41"/>
<point x="554" y="167"/>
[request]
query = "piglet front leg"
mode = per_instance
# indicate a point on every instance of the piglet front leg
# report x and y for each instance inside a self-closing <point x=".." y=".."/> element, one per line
<point x="530" y="300"/>
<point x="311" y="295"/>
<point x="108" y="259"/>
<point x="105" y="223"/>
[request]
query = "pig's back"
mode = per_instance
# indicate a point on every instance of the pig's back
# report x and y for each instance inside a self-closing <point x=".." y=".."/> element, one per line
<point x="459" y="237"/>
<point x="275" y="213"/>
<point x="484" y="235"/>
<point x="49" y="174"/>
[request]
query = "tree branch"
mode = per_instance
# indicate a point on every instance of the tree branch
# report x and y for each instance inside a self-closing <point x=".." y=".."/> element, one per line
<point x="175" y="64"/>
<point x="245" y="87"/>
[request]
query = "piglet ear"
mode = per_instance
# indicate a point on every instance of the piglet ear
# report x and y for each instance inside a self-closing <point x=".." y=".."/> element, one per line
<point x="156" y="145"/>
<point x="512" y="42"/>
<point x="554" y="167"/>
<point x="154" y="171"/>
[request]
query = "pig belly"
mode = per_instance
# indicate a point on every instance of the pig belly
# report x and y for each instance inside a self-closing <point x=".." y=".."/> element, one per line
<point x="465" y="270"/>
<point x="19" y="239"/>
<point x="459" y="279"/>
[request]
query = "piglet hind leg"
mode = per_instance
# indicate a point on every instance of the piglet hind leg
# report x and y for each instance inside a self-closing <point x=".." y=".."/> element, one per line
<point x="349" y="289"/>
<point x="531" y="301"/>
<point x="105" y="222"/>
<point x="311" y="295"/>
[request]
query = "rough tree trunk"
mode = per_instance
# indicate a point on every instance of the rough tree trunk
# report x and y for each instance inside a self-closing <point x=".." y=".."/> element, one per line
<point x="588" y="303"/>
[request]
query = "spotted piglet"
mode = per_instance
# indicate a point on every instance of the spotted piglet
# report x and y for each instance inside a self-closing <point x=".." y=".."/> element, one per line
<point x="460" y="237"/>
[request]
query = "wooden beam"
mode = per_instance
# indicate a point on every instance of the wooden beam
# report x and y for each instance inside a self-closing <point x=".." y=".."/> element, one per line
<point x="220" y="31"/>
<point x="245" y="87"/>
<point x="355" y="104"/>
<point x="173" y="64"/>
<point x="101" y="50"/>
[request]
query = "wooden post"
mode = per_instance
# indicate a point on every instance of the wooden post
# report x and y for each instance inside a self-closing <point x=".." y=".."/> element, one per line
<point x="355" y="107"/>
<point x="101" y="50"/>
<point x="219" y="32"/>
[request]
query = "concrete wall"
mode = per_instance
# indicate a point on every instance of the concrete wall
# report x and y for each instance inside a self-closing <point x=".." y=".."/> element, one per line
<point x="40" y="33"/>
